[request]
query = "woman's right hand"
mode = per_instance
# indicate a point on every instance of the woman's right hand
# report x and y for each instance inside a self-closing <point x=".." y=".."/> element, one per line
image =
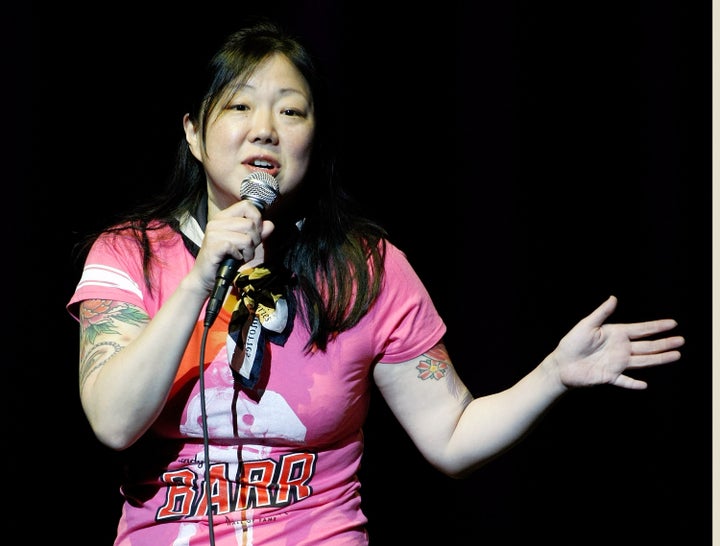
<point x="238" y="232"/>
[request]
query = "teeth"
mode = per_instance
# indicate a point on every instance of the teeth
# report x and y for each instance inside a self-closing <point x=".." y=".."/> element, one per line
<point x="261" y="164"/>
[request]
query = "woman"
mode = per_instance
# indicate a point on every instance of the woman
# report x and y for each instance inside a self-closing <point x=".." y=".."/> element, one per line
<point x="269" y="427"/>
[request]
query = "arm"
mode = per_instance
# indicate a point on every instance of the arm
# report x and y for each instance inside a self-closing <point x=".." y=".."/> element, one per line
<point x="458" y="433"/>
<point x="128" y="361"/>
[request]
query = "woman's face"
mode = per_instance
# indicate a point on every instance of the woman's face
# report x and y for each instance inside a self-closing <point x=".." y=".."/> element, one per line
<point x="268" y="125"/>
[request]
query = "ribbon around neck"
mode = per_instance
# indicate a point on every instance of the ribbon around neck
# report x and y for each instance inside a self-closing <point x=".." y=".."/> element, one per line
<point x="264" y="313"/>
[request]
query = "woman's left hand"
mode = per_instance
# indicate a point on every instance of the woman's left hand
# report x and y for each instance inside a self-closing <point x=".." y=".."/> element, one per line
<point x="594" y="353"/>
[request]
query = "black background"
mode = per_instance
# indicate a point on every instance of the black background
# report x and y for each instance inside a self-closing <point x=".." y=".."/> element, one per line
<point x="531" y="160"/>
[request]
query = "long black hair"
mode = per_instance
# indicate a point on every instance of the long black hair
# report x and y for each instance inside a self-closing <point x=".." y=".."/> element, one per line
<point x="337" y="256"/>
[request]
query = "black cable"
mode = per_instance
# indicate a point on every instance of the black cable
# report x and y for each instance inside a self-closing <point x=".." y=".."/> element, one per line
<point x="206" y="446"/>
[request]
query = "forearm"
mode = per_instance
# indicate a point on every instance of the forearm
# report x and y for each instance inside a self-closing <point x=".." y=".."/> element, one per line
<point x="124" y="396"/>
<point x="491" y="424"/>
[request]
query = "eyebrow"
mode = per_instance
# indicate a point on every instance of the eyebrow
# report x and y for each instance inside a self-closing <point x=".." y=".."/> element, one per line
<point x="282" y="91"/>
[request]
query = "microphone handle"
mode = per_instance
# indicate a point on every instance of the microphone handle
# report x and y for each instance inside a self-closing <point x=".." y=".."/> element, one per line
<point x="223" y="280"/>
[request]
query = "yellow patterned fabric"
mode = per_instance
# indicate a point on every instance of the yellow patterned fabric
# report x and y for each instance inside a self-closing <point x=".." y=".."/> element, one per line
<point x="264" y="313"/>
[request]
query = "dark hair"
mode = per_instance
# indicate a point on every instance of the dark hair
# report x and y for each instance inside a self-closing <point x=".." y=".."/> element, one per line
<point x="337" y="257"/>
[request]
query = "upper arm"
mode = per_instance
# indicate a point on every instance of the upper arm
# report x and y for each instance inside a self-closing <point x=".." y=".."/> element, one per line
<point x="426" y="396"/>
<point x="106" y="327"/>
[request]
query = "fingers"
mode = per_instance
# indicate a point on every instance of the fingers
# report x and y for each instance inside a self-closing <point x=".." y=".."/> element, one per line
<point x="637" y="330"/>
<point x="647" y="361"/>
<point x="634" y="330"/>
<point x="657" y="345"/>
<point x="645" y="354"/>
<point x="237" y="231"/>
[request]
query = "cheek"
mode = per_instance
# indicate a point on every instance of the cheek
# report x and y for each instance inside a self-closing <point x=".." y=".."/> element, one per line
<point x="302" y="159"/>
<point x="222" y="137"/>
<point x="302" y="144"/>
<point x="299" y="152"/>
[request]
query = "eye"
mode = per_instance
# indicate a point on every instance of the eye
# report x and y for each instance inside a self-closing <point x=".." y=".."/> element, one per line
<point x="238" y="107"/>
<point x="292" y="112"/>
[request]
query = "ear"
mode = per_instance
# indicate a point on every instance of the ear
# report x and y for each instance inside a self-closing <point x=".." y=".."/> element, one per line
<point x="192" y="137"/>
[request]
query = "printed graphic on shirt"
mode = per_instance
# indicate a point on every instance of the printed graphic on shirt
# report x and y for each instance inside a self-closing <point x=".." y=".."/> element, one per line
<point x="260" y="483"/>
<point x="241" y="478"/>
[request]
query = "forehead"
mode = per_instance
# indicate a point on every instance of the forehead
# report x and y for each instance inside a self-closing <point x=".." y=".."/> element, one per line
<point x="276" y="73"/>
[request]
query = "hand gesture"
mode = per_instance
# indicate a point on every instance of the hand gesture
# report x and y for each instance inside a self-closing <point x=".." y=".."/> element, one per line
<point x="595" y="353"/>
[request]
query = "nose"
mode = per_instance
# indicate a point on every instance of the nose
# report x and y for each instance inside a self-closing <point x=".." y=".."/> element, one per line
<point x="263" y="128"/>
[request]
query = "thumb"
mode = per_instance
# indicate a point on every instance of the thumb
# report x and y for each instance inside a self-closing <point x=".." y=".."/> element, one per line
<point x="267" y="228"/>
<point x="600" y="315"/>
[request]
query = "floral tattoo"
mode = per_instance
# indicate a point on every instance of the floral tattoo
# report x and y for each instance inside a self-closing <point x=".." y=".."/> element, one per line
<point x="100" y="317"/>
<point x="434" y="365"/>
<point x="97" y="317"/>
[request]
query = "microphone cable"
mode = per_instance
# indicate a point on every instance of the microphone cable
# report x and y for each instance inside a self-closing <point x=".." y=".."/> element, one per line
<point x="206" y="441"/>
<point x="261" y="189"/>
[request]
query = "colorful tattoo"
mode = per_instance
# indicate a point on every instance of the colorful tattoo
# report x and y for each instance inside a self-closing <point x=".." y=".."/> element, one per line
<point x="97" y="316"/>
<point x="432" y="368"/>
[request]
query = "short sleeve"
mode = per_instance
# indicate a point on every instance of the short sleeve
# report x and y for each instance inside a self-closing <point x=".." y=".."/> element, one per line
<point x="407" y="319"/>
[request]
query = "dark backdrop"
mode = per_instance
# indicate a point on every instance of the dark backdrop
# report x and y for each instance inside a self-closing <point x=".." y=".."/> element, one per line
<point x="530" y="159"/>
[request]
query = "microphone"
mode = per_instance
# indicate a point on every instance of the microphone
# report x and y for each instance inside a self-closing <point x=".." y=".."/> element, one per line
<point x="261" y="189"/>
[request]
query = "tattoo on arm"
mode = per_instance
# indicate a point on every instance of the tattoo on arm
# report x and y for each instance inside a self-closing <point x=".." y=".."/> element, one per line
<point x="96" y="358"/>
<point x="101" y="317"/>
<point x="436" y="364"/>
<point x="430" y="368"/>
<point x="98" y="316"/>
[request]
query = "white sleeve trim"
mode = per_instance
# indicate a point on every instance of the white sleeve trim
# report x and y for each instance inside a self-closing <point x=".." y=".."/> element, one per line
<point x="102" y="275"/>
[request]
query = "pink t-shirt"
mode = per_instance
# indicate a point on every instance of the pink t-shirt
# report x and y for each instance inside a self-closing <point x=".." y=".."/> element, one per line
<point x="284" y="466"/>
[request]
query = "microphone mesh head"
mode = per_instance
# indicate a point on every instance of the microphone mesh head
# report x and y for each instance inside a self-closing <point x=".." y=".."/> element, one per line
<point x="261" y="188"/>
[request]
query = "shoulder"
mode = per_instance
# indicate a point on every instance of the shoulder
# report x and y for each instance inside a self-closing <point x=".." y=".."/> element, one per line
<point x="397" y="264"/>
<point x="115" y="268"/>
<point x="123" y="237"/>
